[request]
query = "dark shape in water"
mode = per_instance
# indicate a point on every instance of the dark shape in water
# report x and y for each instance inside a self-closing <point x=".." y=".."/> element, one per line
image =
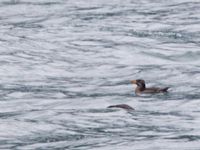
<point x="141" y="88"/>
<point x="123" y="106"/>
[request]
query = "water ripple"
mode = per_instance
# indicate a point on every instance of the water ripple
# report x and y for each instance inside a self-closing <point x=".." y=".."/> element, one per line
<point x="64" y="62"/>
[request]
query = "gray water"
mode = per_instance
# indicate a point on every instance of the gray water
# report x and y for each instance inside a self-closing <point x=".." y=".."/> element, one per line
<point x="62" y="62"/>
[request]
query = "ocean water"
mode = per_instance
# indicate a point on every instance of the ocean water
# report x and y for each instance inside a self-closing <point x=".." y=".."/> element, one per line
<point x="63" y="62"/>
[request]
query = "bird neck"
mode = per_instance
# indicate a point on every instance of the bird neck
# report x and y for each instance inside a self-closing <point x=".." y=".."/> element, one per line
<point x="140" y="88"/>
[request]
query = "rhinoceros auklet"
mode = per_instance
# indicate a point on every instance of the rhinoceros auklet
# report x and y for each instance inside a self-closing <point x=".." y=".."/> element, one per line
<point x="141" y="88"/>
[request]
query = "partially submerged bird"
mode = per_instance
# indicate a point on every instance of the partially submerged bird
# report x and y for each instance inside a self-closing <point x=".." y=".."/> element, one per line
<point x="123" y="106"/>
<point x="141" y="88"/>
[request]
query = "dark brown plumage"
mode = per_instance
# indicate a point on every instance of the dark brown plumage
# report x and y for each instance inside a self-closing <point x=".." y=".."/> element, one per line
<point x="141" y="88"/>
<point x="123" y="106"/>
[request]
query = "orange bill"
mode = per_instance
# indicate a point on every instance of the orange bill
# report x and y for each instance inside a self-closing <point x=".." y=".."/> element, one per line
<point x="133" y="81"/>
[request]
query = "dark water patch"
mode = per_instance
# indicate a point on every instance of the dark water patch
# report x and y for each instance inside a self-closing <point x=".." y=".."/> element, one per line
<point x="83" y="111"/>
<point x="27" y="25"/>
<point x="189" y="5"/>
<point x="87" y="8"/>
<point x="45" y="138"/>
<point x="19" y="2"/>
<point x="33" y="89"/>
<point x="172" y="113"/>
<point x="186" y="138"/>
<point x="171" y="35"/>
<point x="186" y="57"/>
<point x="95" y="95"/>
<point x="9" y="115"/>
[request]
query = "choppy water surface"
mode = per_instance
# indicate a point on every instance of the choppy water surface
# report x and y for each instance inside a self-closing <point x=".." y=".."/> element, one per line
<point x="63" y="62"/>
